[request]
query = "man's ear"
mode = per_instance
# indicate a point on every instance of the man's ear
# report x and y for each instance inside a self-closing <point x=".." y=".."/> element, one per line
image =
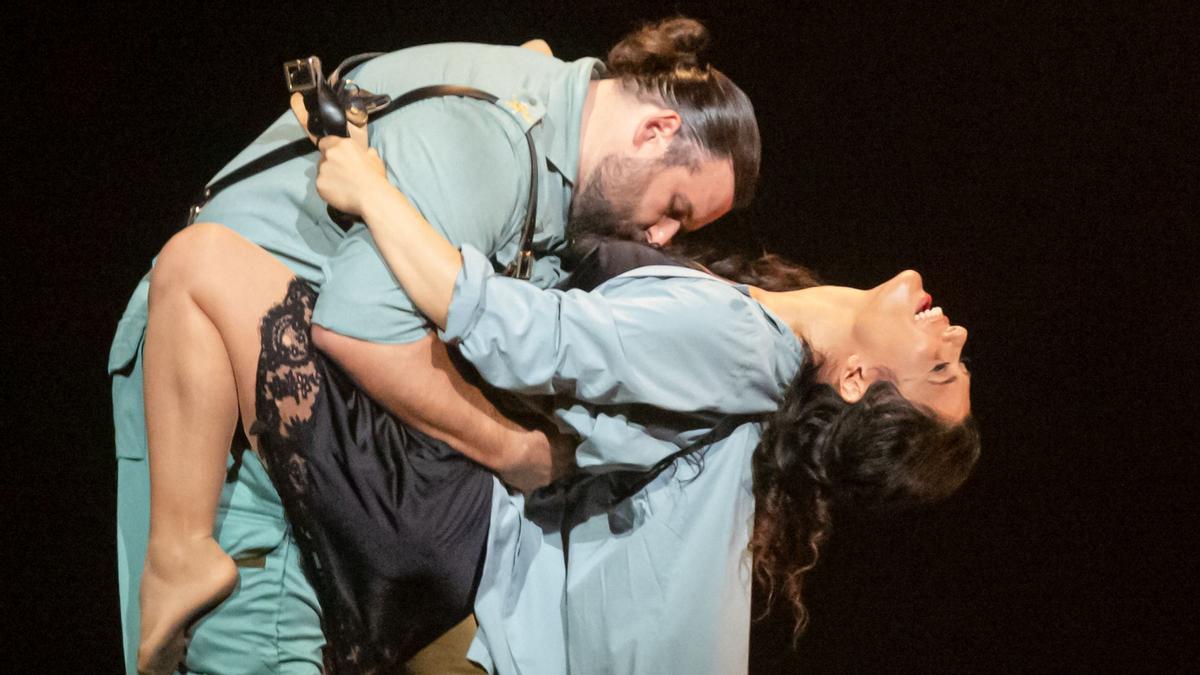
<point x="851" y="379"/>
<point x="655" y="132"/>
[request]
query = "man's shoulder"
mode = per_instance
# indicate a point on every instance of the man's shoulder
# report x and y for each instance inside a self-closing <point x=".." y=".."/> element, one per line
<point x="497" y="69"/>
<point x="446" y="56"/>
<point x="470" y="119"/>
<point x="465" y="137"/>
<point x="462" y="162"/>
<point x="520" y="79"/>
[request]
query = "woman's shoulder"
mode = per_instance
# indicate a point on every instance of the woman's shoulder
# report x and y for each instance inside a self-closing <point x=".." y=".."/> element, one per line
<point x="658" y="283"/>
<point x="611" y="258"/>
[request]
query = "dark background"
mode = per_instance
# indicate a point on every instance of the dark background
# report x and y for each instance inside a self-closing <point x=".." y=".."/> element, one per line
<point x="1037" y="163"/>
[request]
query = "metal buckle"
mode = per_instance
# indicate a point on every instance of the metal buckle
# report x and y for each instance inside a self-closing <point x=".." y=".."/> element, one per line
<point x="196" y="208"/>
<point x="302" y="75"/>
<point x="521" y="267"/>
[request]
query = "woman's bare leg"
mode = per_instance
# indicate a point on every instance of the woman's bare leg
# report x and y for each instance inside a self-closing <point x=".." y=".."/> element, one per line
<point x="209" y="290"/>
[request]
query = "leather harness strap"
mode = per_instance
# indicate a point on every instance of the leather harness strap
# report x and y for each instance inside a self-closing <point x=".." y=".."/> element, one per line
<point x="522" y="265"/>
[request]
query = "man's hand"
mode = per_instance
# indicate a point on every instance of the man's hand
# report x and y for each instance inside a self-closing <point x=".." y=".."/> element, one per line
<point x="418" y="382"/>
<point x="547" y="456"/>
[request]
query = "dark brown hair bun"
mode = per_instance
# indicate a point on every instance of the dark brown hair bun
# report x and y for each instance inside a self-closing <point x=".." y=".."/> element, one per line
<point x="658" y="64"/>
<point x="659" y="48"/>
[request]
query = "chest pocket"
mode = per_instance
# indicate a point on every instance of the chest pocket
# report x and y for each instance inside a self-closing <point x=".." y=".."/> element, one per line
<point x="130" y="331"/>
<point x="129" y="415"/>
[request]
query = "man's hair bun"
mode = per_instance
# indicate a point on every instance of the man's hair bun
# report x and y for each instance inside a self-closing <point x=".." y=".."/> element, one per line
<point x="660" y="47"/>
<point x="660" y="64"/>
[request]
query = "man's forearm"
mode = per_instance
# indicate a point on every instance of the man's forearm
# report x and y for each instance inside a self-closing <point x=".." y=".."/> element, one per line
<point x="418" y="383"/>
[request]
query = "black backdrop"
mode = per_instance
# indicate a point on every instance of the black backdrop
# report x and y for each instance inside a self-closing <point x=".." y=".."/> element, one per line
<point x="1036" y="163"/>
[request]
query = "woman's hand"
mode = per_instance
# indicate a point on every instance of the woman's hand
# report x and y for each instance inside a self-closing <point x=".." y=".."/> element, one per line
<point x="349" y="175"/>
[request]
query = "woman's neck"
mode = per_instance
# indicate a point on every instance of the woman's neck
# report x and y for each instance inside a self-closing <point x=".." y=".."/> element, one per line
<point x="821" y="316"/>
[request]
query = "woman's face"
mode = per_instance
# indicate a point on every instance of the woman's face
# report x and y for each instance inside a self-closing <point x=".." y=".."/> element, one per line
<point x="906" y="339"/>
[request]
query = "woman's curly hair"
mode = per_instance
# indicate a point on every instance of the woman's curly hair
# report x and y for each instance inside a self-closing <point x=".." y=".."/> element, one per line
<point x="818" y="450"/>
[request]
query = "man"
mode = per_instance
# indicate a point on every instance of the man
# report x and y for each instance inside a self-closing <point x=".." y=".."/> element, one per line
<point x="644" y="168"/>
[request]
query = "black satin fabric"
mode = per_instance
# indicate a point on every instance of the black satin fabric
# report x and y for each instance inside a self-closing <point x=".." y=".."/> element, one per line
<point x="611" y="257"/>
<point x="392" y="523"/>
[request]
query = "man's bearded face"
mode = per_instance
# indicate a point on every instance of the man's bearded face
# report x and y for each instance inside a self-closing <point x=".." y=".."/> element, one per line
<point x="604" y="205"/>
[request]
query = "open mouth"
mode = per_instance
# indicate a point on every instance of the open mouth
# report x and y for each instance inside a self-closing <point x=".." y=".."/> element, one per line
<point x="926" y="303"/>
<point x="927" y="314"/>
<point x="926" y="310"/>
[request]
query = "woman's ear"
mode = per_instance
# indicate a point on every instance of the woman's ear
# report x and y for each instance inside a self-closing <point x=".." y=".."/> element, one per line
<point x="852" y="380"/>
<point x="656" y="131"/>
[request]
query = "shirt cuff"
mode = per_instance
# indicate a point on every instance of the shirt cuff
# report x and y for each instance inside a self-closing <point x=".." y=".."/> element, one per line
<point x="468" y="302"/>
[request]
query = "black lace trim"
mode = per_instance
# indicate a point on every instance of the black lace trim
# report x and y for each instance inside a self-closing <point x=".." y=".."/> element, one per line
<point x="287" y="380"/>
<point x="286" y="389"/>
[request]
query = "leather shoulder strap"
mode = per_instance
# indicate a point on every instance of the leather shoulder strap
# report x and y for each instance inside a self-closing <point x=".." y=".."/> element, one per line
<point x="521" y="267"/>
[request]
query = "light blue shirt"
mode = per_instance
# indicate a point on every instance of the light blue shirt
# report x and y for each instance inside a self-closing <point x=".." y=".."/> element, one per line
<point x="661" y="583"/>
<point x="450" y="155"/>
<point x="466" y="166"/>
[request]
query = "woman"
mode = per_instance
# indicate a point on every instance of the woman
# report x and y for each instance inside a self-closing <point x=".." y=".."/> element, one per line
<point x="876" y="414"/>
<point x="869" y="403"/>
<point x="843" y="429"/>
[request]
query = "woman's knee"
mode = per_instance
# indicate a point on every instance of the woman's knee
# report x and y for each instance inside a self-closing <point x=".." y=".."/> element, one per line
<point x="195" y="254"/>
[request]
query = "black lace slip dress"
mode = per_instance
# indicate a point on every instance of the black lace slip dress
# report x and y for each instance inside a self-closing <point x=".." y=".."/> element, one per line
<point x="392" y="523"/>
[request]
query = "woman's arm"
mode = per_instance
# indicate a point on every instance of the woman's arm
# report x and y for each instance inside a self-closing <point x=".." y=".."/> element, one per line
<point x="353" y="180"/>
<point x="677" y="344"/>
<point x="682" y="344"/>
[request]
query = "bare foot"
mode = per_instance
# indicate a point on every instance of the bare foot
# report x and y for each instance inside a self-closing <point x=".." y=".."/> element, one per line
<point x="180" y="583"/>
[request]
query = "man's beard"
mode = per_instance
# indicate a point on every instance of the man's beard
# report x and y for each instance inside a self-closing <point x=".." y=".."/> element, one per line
<point x="603" y="207"/>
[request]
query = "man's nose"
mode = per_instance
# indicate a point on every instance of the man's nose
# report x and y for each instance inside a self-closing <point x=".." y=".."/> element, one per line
<point x="661" y="233"/>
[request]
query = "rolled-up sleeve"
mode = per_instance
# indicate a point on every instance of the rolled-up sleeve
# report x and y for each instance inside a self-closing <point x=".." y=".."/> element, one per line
<point x="676" y="343"/>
